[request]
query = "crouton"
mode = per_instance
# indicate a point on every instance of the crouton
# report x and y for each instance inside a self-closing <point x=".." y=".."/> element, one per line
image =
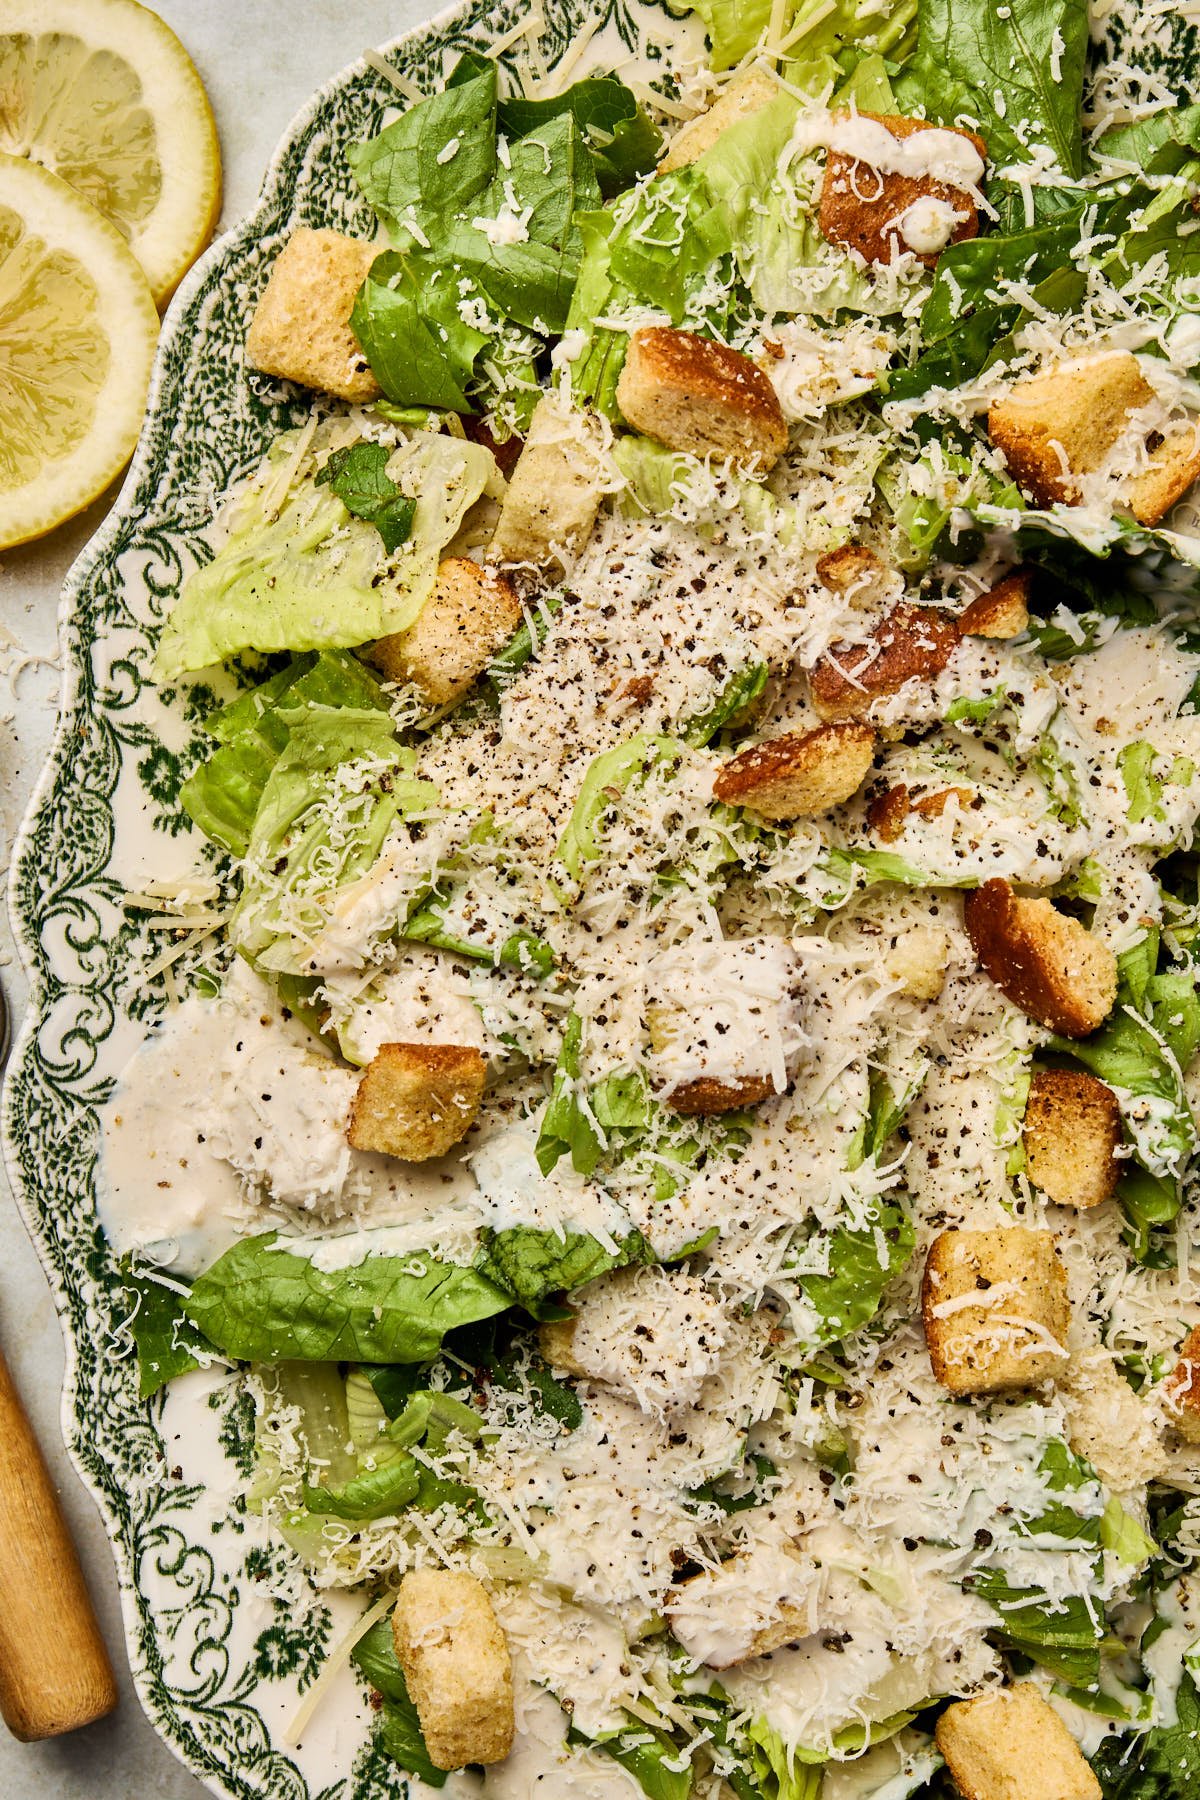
<point x="913" y="642"/>
<point x="456" y="1665"/>
<point x="799" y="775"/>
<point x="1003" y="612"/>
<point x="749" y="94"/>
<point x="1011" y="1745"/>
<point x="995" y="1309"/>
<point x="1173" y="468"/>
<point x="756" y="1602"/>
<point x="415" y="1101"/>
<point x="857" y="575"/>
<point x="1109" y="1425"/>
<point x="1056" y="426"/>
<point x="705" y="1097"/>
<point x="470" y="613"/>
<point x="694" y="395"/>
<point x="888" y="811"/>
<point x="867" y="208"/>
<point x="1072" y="1136"/>
<point x="1181" y="1389"/>
<point x="555" y="490"/>
<point x="917" y="962"/>
<point x="1047" y="963"/>
<point x="301" y="326"/>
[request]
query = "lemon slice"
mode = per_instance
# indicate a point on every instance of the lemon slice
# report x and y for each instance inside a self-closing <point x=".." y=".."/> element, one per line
<point x="78" y="326"/>
<point x="105" y="95"/>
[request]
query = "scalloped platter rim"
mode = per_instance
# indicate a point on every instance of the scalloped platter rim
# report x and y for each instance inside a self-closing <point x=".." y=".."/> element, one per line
<point x="225" y="1639"/>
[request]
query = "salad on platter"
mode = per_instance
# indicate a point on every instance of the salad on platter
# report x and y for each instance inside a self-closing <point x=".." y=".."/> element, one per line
<point x="673" y="1096"/>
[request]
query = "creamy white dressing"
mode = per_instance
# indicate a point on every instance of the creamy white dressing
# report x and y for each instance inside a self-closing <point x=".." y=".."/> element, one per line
<point x="162" y="1190"/>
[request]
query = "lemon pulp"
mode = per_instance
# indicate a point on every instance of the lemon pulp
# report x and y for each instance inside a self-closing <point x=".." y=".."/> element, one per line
<point x="102" y="93"/>
<point x="78" y="328"/>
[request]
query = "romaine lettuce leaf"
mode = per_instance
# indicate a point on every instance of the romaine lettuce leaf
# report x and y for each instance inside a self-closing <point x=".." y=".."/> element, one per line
<point x="326" y="809"/>
<point x="166" y="1340"/>
<point x="530" y="1264"/>
<point x="222" y="796"/>
<point x="1160" y="1764"/>
<point x="260" y="1302"/>
<point x="1032" y="53"/>
<point x="650" y="1756"/>
<point x="848" y="1297"/>
<point x="299" y="572"/>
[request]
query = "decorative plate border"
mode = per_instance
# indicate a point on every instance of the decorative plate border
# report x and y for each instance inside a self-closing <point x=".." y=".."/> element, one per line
<point x="186" y="1561"/>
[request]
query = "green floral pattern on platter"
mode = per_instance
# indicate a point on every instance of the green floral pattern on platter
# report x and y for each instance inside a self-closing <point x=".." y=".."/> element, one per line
<point x="225" y="1634"/>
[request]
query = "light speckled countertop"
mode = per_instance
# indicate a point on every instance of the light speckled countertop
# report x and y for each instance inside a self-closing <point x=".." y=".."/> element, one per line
<point x="260" y="60"/>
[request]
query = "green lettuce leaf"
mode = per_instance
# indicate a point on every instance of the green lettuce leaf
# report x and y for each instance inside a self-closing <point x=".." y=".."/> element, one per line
<point x="646" y="1754"/>
<point x="623" y="140"/>
<point x="165" y="1338"/>
<point x="1160" y="1764"/>
<point x="299" y="572"/>
<point x="741" y="690"/>
<point x="848" y="1297"/>
<point x="1060" y="1635"/>
<point x="375" y="1494"/>
<point x="470" y="232"/>
<point x="530" y="1265"/>
<point x="358" y="476"/>
<point x="261" y="1303"/>
<point x="605" y="780"/>
<point x="1031" y="52"/>
<point x="325" y="811"/>
<point x="222" y="796"/>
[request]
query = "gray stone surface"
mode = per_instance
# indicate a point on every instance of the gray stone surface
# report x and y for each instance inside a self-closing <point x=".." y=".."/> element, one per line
<point x="260" y="60"/>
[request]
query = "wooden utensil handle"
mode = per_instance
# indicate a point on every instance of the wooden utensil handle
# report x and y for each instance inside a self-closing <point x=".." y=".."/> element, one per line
<point x="54" y="1669"/>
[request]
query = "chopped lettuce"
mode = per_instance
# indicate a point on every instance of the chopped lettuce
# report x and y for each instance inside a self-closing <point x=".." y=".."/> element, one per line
<point x="299" y="572"/>
<point x="1015" y="71"/>
<point x="606" y="778"/>
<point x="326" y="808"/>
<point x="1162" y="1763"/>
<point x="261" y="1302"/>
<point x="481" y="243"/>
<point x="652" y="1757"/>
<point x="222" y="796"/>
<point x="531" y="1265"/>
<point x="861" y="1262"/>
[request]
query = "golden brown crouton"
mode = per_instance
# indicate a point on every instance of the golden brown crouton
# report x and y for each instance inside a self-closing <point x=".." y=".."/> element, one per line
<point x="1047" y="963"/>
<point x="917" y="961"/>
<point x="416" y="1101"/>
<point x="470" y="613"/>
<point x="748" y="94"/>
<point x="701" y="397"/>
<point x="456" y="1665"/>
<point x="1181" y="1389"/>
<point x="995" y="1309"/>
<point x="913" y="642"/>
<point x="1011" y="1745"/>
<point x="555" y="490"/>
<point x="799" y="775"/>
<point x="1173" y="468"/>
<point x="706" y="1096"/>
<point x="1072" y="1135"/>
<point x="888" y="812"/>
<point x="301" y="327"/>
<point x="1003" y="612"/>
<point x="1109" y="1425"/>
<point x="1062" y="424"/>
<point x="863" y="207"/>
<point x="857" y="575"/>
